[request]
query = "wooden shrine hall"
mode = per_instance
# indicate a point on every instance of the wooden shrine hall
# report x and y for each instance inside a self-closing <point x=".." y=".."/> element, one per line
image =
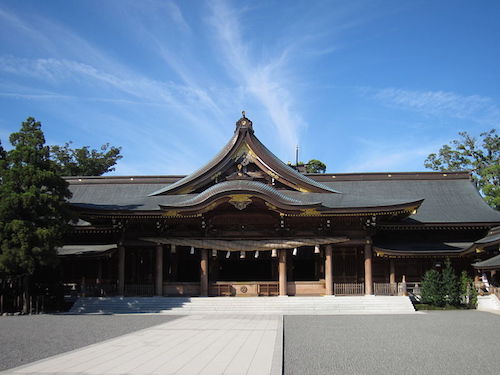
<point x="247" y="224"/>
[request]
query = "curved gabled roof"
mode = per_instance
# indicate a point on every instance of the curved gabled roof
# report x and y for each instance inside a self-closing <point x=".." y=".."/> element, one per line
<point x="241" y="187"/>
<point x="244" y="141"/>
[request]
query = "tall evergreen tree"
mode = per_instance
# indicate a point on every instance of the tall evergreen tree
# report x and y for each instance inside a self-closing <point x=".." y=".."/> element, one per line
<point x="33" y="210"/>
<point x="3" y="161"/>
<point x="432" y="291"/>
<point x="451" y="286"/>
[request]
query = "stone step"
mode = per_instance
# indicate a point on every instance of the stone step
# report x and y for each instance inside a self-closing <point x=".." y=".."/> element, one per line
<point x="489" y="302"/>
<point x="246" y="305"/>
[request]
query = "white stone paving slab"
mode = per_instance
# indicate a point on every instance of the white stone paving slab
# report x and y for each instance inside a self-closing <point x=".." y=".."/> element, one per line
<point x="205" y="345"/>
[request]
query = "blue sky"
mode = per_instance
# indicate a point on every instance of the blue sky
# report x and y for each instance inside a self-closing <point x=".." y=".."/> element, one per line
<point x="361" y="85"/>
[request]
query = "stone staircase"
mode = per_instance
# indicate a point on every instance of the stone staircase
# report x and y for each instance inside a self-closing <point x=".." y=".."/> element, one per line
<point x="245" y="305"/>
<point x="488" y="303"/>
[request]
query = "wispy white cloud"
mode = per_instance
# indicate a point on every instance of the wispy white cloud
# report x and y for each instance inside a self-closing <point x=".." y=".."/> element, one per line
<point x="475" y="108"/>
<point x="265" y="80"/>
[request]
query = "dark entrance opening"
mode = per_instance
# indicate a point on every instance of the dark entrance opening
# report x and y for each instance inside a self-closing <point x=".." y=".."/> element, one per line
<point x="234" y="268"/>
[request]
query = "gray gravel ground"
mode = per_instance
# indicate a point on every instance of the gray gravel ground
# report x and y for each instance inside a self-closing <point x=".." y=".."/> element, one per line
<point x="25" y="339"/>
<point x="437" y="342"/>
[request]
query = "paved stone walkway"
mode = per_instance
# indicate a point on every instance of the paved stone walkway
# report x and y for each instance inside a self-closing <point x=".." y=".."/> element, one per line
<point x="190" y="345"/>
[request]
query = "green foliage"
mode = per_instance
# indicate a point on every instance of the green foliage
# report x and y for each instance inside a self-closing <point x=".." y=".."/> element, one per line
<point x="482" y="158"/>
<point x="445" y="289"/>
<point x="432" y="291"/>
<point x="3" y="161"/>
<point x="84" y="161"/>
<point x="315" y="166"/>
<point x="33" y="210"/>
<point x="468" y="292"/>
<point x="450" y="285"/>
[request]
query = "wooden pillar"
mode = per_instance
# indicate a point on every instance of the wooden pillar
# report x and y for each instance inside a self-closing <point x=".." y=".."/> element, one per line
<point x="392" y="271"/>
<point x="282" y="272"/>
<point x="173" y="262"/>
<point x="328" y="270"/>
<point x="121" y="270"/>
<point x="204" y="273"/>
<point x="99" y="271"/>
<point x="368" y="267"/>
<point x="159" y="270"/>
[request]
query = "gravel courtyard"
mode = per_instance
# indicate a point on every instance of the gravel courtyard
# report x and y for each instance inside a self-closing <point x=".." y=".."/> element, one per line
<point x="25" y="339"/>
<point x="437" y="342"/>
<point x="448" y="342"/>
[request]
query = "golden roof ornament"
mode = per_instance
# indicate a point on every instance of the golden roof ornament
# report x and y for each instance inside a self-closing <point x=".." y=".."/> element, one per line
<point x="244" y="122"/>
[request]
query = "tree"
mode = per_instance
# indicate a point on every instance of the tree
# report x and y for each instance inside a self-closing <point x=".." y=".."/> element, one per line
<point x="3" y="161"/>
<point x="315" y="166"/>
<point x="84" y="161"/>
<point x="450" y="285"/>
<point x="482" y="158"/>
<point x="33" y="209"/>
<point x="432" y="291"/>
<point x="468" y="292"/>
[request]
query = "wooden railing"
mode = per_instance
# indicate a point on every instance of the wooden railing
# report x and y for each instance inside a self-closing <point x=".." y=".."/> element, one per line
<point x="385" y="289"/>
<point x="348" y="289"/>
<point x="268" y="289"/>
<point x="99" y="290"/>
<point x="139" y="290"/>
<point x="224" y="290"/>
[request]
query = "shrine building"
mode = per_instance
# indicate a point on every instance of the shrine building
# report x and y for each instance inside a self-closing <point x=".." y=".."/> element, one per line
<point x="247" y="224"/>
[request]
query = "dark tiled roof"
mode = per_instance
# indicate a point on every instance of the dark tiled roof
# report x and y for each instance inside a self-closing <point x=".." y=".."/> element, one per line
<point x="492" y="263"/>
<point x="239" y="186"/>
<point x="412" y="247"/>
<point x="225" y="157"/>
<point x="451" y="199"/>
<point x="198" y="173"/>
<point x="445" y="200"/>
<point x="492" y="238"/>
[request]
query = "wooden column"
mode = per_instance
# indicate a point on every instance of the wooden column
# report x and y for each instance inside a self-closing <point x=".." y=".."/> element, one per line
<point x="392" y="271"/>
<point x="173" y="262"/>
<point x="204" y="273"/>
<point x="368" y="267"/>
<point x="99" y="271"/>
<point x="121" y="270"/>
<point x="282" y="272"/>
<point x="328" y="270"/>
<point x="159" y="270"/>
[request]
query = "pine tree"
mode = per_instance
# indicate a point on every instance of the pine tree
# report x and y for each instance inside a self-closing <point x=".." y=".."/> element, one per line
<point x="468" y="292"/>
<point x="432" y="291"/>
<point x="33" y="209"/>
<point x="450" y="284"/>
